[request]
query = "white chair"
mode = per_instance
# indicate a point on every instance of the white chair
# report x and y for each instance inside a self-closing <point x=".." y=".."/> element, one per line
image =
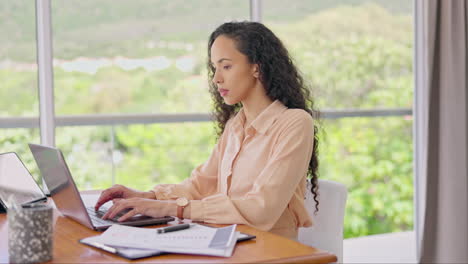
<point x="327" y="230"/>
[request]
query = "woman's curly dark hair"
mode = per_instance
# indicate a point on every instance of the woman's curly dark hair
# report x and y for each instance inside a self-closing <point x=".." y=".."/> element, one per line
<point x="278" y="75"/>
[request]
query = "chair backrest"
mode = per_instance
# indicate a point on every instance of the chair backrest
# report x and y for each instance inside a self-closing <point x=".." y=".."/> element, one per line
<point x="327" y="230"/>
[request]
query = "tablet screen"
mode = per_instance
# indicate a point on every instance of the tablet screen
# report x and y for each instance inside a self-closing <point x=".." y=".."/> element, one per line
<point x="17" y="186"/>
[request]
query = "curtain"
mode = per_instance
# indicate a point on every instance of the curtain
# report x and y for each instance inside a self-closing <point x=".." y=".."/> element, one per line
<point x="444" y="236"/>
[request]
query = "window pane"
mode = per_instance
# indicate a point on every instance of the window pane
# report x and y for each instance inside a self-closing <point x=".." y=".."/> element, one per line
<point x="373" y="157"/>
<point x="88" y="153"/>
<point x="135" y="56"/>
<point x="355" y="54"/>
<point x="138" y="156"/>
<point x="18" y="68"/>
<point x="18" y="77"/>
<point x="358" y="54"/>
<point x="146" y="155"/>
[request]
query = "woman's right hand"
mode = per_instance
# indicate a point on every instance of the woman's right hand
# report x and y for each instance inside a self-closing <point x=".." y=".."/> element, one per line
<point x="123" y="192"/>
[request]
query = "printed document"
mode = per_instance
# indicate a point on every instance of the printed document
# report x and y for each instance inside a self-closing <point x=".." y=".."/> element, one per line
<point x="198" y="239"/>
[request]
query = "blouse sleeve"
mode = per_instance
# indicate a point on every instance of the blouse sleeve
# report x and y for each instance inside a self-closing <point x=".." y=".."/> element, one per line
<point x="202" y="182"/>
<point x="262" y="206"/>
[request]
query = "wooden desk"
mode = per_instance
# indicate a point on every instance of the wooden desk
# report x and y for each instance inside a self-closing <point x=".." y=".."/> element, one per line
<point x="267" y="247"/>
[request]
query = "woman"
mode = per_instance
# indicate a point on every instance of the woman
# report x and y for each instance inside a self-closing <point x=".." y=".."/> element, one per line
<point x="256" y="174"/>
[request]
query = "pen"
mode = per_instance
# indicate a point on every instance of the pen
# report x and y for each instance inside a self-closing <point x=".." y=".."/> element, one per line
<point x="173" y="228"/>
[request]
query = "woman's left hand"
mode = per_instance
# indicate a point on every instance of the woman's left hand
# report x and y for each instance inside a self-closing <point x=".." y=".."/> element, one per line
<point x="148" y="207"/>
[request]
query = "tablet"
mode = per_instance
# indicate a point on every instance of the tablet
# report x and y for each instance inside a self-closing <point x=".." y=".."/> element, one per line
<point x="17" y="186"/>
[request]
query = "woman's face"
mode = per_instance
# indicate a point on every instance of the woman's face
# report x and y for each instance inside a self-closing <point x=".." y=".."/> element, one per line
<point x="234" y="76"/>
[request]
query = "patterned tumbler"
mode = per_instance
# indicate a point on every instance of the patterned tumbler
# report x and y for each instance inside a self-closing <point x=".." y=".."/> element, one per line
<point x="30" y="234"/>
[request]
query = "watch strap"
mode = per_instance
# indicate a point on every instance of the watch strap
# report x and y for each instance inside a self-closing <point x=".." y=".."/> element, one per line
<point x="180" y="212"/>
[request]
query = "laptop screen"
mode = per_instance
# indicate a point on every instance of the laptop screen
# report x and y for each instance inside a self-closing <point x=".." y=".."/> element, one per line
<point x="17" y="186"/>
<point x="60" y="183"/>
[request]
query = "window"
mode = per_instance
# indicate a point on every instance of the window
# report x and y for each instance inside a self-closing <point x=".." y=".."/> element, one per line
<point x="18" y="75"/>
<point x="18" y="68"/>
<point x="146" y="58"/>
<point x="135" y="56"/>
<point x="358" y="55"/>
<point x="130" y="58"/>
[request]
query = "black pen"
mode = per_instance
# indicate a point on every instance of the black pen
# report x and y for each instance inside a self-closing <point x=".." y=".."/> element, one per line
<point x="172" y="228"/>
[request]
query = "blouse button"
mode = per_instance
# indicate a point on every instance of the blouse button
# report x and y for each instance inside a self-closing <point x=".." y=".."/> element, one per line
<point x="250" y="131"/>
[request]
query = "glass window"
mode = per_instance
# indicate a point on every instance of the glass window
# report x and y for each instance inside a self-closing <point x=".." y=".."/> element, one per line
<point x="138" y="156"/>
<point x="88" y="153"/>
<point x="135" y="56"/>
<point x="373" y="157"/>
<point x="355" y="54"/>
<point x="18" y="67"/>
<point x="358" y="54"/>
<point x="18" y="77"/>
<point x="146" y="155"/>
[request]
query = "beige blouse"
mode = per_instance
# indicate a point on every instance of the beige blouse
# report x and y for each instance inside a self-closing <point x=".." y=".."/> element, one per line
<point x="255" y="176"/>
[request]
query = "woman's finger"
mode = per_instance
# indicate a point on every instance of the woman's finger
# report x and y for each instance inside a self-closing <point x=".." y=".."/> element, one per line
<point x="118" y="206"/>
<point x="105" y="196"/>
<point x="129" y="214"/>
<point x="112" y="211"/>
<point x="115" y="200"/>
<point x="101" y="200"/>
<point x="108" y="212"/>
<point x="113" y="192"/>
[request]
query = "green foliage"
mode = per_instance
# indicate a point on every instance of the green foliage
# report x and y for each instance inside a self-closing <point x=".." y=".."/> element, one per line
<point x="354" y="56"/>
<point x="361" y="58"/>
<point x="18" y="91"/>
<point x="88" y="152"/>
<point x="351" y="62"/>
<point x="163" y="153"/>
<point x="373" y="158"/>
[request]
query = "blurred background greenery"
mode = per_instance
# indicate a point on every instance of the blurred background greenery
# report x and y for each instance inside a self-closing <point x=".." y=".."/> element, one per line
<point x="121" y="57"/>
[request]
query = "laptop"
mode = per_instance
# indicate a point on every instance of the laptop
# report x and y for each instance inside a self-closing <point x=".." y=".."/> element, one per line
<point x="67" y="198"/>
<point x="17" y="186"/>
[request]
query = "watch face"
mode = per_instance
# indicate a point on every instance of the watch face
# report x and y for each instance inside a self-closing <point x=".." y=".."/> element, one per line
<point x="182" y="201"/>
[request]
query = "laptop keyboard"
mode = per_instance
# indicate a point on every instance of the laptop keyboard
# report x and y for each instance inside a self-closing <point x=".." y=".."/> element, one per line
<point x="96" y="216"/>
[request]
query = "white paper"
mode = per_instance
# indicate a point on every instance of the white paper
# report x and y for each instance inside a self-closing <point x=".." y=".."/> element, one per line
<point x="220" y="252"/>
<point x="195" y="240"/>
<point x="97" y="241"/>
<point x="196" y="236"/>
